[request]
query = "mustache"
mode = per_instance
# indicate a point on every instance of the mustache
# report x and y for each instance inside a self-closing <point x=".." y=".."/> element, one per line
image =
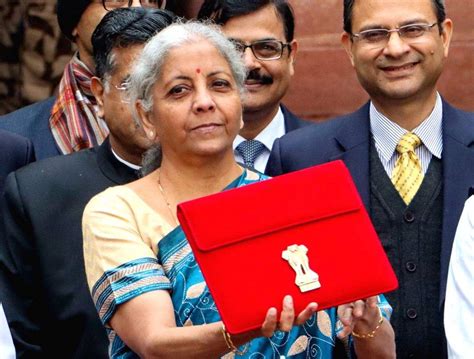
<point x="255" y="75"/>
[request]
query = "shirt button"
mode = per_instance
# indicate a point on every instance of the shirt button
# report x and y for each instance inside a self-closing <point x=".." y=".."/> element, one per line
<point x="410" y="266"/>
<point x="409" y="216"/>
<point x="411" y="313"/>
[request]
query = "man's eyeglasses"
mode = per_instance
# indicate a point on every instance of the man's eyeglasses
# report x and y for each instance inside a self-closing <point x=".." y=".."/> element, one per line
<point x="122" y="88"/>
<point x="114" y="4"/>
<point x="381" y="36"/>
<point x="263" y="49"/>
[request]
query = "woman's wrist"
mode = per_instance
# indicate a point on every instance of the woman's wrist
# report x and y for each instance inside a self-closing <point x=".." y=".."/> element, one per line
<point x="230" y="344"/>
<point x="368" y="328"/>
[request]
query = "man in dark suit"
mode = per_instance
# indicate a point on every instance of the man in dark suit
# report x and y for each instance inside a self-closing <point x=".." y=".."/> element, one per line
<point x="42" y="281"/>
<point x="68" y="123"/>
<point x="263" y="30"/>
<point x="16" y="152"/>
<point x="406" y="131"/>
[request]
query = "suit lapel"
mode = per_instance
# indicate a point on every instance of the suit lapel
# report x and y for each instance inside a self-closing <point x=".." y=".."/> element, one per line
<point x="353" y="138"/>
<point x="458" y="177"/>
<point x="113" y="169"/>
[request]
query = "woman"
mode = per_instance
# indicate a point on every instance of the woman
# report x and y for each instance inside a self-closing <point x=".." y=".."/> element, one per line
<point x="146" y="285"/>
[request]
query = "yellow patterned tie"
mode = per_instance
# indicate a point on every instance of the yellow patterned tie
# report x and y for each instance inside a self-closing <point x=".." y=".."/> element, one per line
<point x="407" y="174"/>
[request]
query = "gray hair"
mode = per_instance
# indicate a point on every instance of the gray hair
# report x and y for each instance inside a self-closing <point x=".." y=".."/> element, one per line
<point x="147" y="68"/>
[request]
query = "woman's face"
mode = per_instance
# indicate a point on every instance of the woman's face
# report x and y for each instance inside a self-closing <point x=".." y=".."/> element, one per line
<point x="196" y="103"/>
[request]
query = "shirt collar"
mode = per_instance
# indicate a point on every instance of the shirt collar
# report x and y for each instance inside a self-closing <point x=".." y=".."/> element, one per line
<point x="387" y="133"/>
<point x="275" y="129"/>
<point x="126" y="163"/>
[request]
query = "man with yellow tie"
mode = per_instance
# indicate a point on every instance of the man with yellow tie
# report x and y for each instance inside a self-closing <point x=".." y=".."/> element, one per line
<point x="410" y="153"/>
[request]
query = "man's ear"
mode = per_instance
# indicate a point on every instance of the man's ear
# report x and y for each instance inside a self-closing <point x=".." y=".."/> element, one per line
<point x="347" y="43"/>
<point x="294" y="50"/>
<point x="145" y="119"/>
<point x="97" y="88"/>
<point x="74" y="34"/>
<point x="446" y="35"/>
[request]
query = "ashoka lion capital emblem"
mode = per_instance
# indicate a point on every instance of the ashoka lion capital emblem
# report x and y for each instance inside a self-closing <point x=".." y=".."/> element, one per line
<point x="306" y="279"/>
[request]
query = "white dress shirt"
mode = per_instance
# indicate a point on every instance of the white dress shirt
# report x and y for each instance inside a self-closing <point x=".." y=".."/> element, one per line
<point x="7" y="349"/>
<point x="459" y="305"/>
<point x="275" y="129"/>
<point x="387" y="133"/>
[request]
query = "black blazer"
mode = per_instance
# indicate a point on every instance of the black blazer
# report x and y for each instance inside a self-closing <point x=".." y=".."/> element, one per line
<point x="16" y="152"/>
<point x="42" y="279"/>
<point x="348" y="138"/>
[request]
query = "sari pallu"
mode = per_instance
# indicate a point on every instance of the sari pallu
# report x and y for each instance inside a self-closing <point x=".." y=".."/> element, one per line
<point x="175" y="269"/>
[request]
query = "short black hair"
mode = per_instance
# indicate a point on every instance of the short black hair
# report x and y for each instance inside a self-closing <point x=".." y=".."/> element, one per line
<point x="438" y="6"/>
<point x="124" y="27"/>
<point x="221" y="11"/>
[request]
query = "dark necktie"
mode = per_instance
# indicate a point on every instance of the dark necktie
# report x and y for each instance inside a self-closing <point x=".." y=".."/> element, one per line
<point x="250" y="150"/>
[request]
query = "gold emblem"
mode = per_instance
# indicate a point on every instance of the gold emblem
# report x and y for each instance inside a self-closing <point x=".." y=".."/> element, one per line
<point x="306" y="279"/>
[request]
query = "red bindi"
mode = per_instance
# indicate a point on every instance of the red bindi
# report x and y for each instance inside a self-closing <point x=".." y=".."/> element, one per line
<point x="198" y="71"/>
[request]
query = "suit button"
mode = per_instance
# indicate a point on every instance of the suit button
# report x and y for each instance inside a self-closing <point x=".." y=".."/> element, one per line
<point x="410" y="266"/>
<point x="409" y="216"/>
<point x="411" y="313"/>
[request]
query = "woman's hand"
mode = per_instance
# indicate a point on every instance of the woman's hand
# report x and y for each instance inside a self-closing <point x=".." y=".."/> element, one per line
<point x="361" y="316"/>
<point x="287" y="317"/>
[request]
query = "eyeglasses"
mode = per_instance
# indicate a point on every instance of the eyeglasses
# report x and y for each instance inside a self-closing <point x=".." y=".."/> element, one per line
<point x="264" y="49"/>
<point x="122" y="88"/>
<point x="114" y="4"/>
<point x="381" y="36"/>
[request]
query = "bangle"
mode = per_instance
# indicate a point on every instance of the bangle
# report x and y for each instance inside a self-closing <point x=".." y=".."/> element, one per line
<point x="372" y="333"/>
<point x="231" y="345"/>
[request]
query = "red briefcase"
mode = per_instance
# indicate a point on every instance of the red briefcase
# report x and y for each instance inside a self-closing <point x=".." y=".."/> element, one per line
<point x="306" y="234"/>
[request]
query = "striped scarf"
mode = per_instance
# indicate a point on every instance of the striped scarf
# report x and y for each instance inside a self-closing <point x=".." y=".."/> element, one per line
<point x="73" y="122"/>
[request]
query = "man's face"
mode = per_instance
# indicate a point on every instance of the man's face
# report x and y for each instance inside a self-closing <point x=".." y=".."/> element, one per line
<point x="127" y="138"/>
<point x="83" y="32"/>
<point x="399" y="68"/>
<point x="90" y="18"/>
<point x="267" y="81"/>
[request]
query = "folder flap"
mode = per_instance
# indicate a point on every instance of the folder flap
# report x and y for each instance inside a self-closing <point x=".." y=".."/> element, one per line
<point x="257" y="209"/>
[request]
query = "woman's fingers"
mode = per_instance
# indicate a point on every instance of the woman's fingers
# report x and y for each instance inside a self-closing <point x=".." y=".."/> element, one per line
<point x="359" y="309"/>
<point x="270" y="323"/>
<point x="306" y="313"/>
<point x="287" y="316"/>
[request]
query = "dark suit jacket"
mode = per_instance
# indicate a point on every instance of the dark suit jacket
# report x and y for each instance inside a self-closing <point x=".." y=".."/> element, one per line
<point x="348" y="138"/>
<point x="16" y="152"/>
<point x="291" y="121"/>
<point x="42" y="278"/>
<point x="32" y="122"/>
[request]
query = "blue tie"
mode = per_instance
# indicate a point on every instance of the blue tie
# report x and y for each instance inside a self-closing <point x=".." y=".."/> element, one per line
<point x="250" y="150"/>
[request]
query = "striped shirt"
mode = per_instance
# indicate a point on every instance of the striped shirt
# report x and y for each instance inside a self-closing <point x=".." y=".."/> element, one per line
<point x="387" y="133"/>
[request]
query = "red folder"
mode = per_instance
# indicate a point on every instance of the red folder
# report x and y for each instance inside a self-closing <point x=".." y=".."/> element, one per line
<point x="259" y="242"/>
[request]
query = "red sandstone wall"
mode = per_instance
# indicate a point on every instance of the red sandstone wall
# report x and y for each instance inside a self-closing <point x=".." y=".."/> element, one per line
<point x="325" y="84"/>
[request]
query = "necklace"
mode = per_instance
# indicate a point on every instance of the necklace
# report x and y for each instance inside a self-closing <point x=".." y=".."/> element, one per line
<point x="166" y="199"/>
